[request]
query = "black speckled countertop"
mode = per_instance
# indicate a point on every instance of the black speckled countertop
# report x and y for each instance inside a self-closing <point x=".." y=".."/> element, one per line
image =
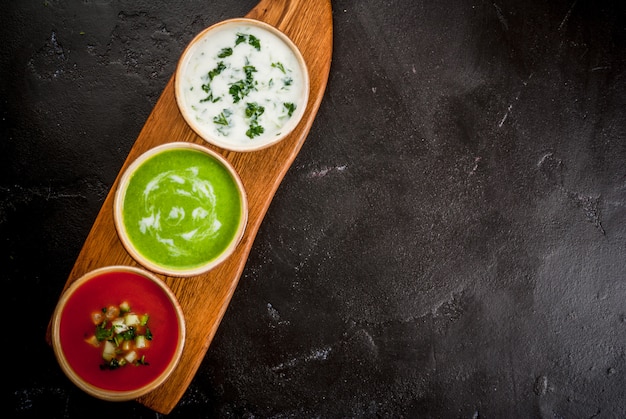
<point x="449" y="243"/>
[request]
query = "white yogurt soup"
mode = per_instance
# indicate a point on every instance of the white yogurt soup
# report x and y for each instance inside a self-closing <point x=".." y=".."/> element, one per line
<point x="242" y="85"/>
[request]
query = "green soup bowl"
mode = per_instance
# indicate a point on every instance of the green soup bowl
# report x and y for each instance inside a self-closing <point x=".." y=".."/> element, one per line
<point x="180" y="209"/>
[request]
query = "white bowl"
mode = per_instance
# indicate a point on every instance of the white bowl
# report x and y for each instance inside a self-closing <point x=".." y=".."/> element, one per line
<point x="242" y="85"/>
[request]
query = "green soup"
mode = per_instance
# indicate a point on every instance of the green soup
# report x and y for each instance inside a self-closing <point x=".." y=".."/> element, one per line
<point x="182" y="209"/>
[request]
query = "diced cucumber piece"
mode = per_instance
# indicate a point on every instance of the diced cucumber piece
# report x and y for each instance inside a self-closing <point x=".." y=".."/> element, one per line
<point x="109" y="351"/>
<point x="131" y="319"/>
<point x="140" y="341"/>
<point x="124" y="307"/>
<point x="131" y="357"/>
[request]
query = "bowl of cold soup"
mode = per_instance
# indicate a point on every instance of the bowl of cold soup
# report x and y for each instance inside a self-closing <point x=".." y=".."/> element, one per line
<point x="180" y="209"/>
<point x="118" y="332"/>
<point x="242" y="85"/>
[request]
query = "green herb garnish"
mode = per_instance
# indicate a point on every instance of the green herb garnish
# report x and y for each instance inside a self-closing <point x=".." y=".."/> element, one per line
<point x="255" y="130"/>
<point x="103" y="332"/>
<point x="251" y="39"/>
<point x="279" y="66"/>
<point x="217" y="70"/>
<point x="222" y="118"/>
<point x="241" y="38"/>
<point x="290" y="108"/>
<point x="206" y="87"/>
<point x="237" y="90"/>
<point x="225" y="52"/>
<point x="253" y="111"/>
<point x="255" y="42"/>
<point x="240" y="89"/>
<point x="128" y="334"/>
<point x="249" y="69"/>
<point x="210" y="98"/>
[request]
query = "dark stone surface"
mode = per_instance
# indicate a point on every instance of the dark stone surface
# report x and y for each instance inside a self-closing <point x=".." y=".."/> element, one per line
<point x="449" y="243"/>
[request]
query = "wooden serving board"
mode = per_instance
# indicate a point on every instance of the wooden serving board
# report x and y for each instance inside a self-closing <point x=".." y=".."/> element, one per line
<point x="204" y="298"/>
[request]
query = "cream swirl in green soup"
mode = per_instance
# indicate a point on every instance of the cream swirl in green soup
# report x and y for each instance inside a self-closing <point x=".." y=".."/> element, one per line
<point x="182" y="209"/>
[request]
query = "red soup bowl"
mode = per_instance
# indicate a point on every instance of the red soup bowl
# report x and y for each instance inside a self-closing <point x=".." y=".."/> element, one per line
<point x="118" y="332"/>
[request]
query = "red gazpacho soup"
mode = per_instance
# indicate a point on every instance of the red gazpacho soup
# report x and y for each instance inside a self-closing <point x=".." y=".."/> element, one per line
<point x="138" y="293"/>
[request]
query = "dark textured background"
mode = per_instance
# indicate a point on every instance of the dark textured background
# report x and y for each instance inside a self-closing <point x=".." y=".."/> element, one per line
<point x="449" y="243"/>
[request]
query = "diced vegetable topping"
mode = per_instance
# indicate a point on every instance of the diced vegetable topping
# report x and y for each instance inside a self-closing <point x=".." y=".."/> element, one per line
<point x="122" y="334"/>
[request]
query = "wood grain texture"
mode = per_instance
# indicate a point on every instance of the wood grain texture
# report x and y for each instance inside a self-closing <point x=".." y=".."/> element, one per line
<point x="204" y="298"/>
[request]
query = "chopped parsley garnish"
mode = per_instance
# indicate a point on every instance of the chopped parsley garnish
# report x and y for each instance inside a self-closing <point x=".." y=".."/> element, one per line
<point x="255" y="42"/>
<point x="253" y="111"/>
<point x="279" y="66"/>
<point x="290" y="108"/>
<point x="240" y="89"/>
<point x="241" y="38"/>
<point x="206" y="87"/>
<point x="210" y="98"/>
<point x="128" y="334"/>
<point x="255" y="130"/>
<point x="222" y="118"/>
<point x="237" y="90"/>
<point x="251" y="39"/>
<point x="103" y="332"/>
<point x="249" y="69"/>
<point x="225" y="52"/>
<point x="223" y="121"/>
<point x="217" y="70"/>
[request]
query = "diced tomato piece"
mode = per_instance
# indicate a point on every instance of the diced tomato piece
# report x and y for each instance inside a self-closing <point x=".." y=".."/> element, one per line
<point x="112" y="312"/>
